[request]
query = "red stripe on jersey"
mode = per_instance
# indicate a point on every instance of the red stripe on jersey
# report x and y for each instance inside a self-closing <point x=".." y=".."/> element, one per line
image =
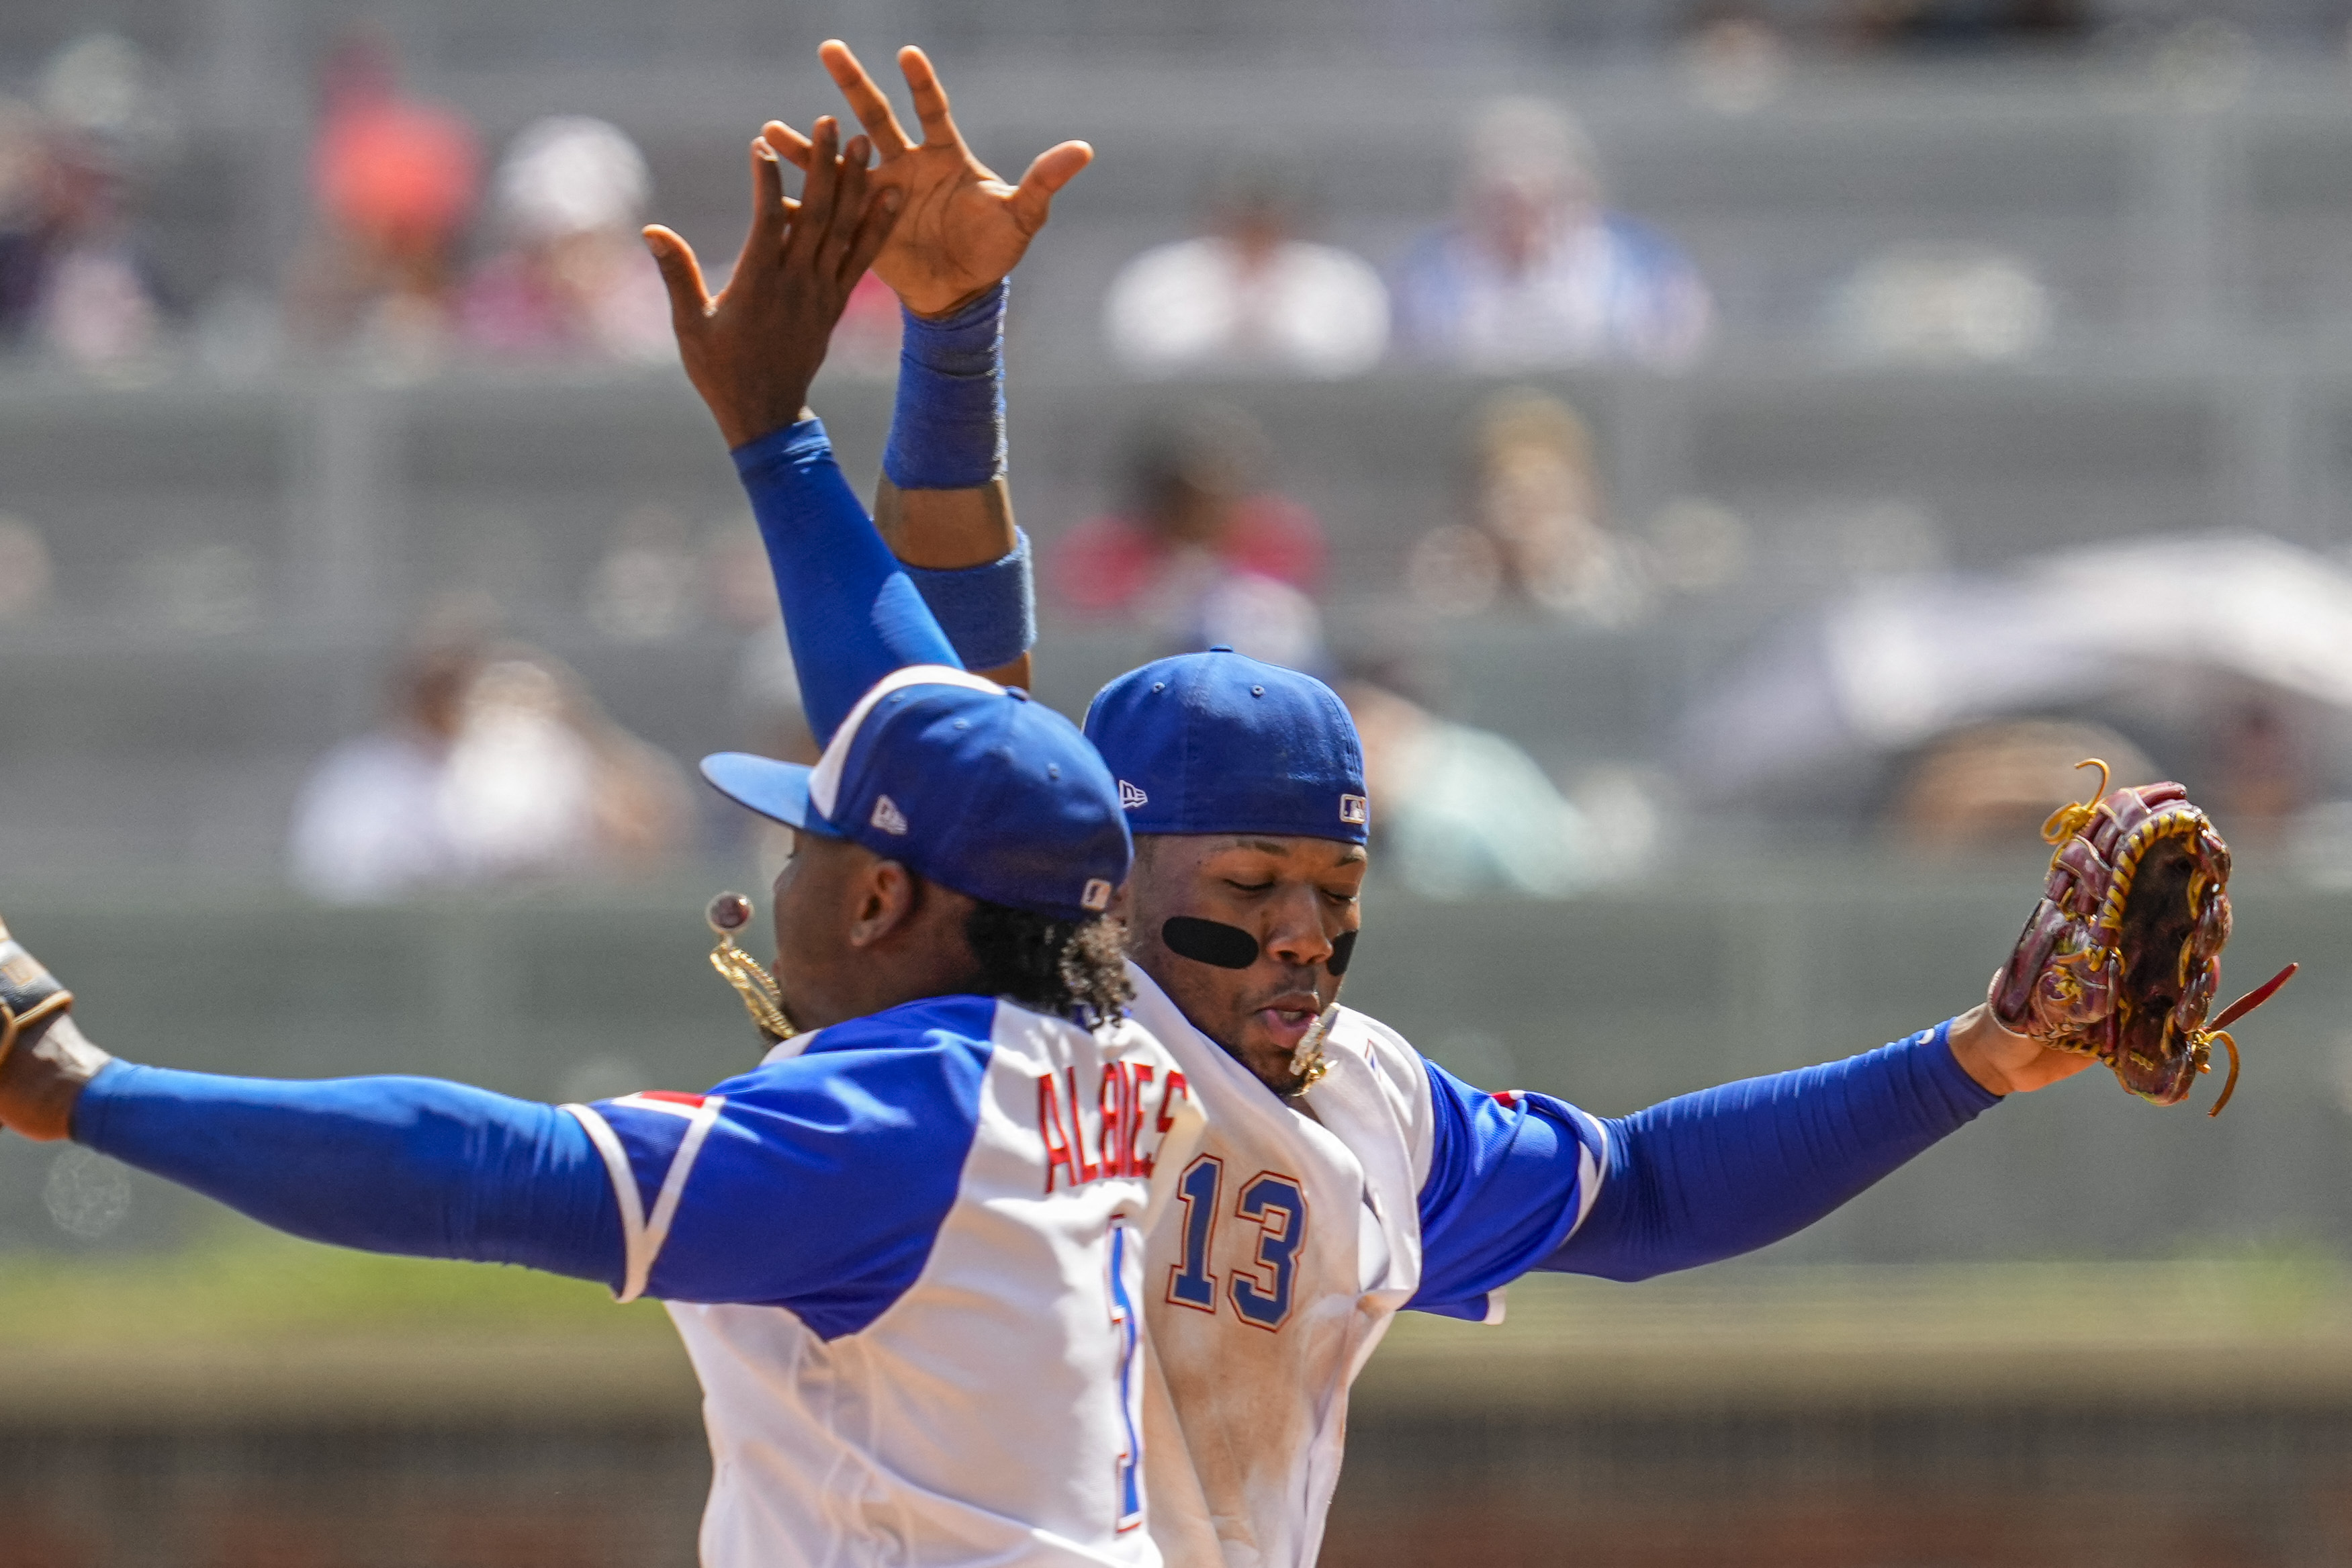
<point x="671" y="1097"/>
<point x="1509" y="1097"/>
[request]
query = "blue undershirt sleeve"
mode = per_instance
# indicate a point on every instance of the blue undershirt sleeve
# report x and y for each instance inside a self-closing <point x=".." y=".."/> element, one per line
<point x="408" y="1165"/>
<point x="1710" y="1175"/>
<point x="851" y="612"/>
<point x="1520" y="1182"/>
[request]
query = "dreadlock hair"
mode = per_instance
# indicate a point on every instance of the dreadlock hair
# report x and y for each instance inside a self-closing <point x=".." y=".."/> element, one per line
<point x="1075" y="969"/>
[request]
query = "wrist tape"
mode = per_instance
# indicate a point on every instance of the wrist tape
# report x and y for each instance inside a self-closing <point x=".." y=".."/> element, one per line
<point x="947" y="431"/>
<point x="989" y="611"/>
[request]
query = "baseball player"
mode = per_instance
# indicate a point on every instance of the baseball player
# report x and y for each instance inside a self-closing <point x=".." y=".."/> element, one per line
<point x="903" y="1252"/>
<point x="1344" y="1176"/>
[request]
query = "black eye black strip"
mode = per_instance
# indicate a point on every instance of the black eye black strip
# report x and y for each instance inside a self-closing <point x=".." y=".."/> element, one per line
<point x="1230" y="948"/>
<point x="1209" y="942"/>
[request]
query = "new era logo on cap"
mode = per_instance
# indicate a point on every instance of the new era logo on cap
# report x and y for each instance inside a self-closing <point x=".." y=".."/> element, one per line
<point x="1129" y="797"/>
<point x="888" y="816"/>
<point x="1096" y="896"/>
<point x="1355" y="808"/>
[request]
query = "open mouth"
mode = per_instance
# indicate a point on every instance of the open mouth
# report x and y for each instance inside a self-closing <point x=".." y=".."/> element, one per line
<point x="1288" y="1019"/>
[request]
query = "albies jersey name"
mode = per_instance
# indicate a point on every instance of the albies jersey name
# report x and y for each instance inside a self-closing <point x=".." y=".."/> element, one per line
<point x="905" y="1256"/>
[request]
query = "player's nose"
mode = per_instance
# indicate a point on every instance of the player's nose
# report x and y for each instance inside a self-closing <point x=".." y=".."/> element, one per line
<point x="1298" y="938"/>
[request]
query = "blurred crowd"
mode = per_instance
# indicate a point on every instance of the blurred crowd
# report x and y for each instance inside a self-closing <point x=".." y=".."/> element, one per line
<point x="425" y="242"/>
<point x="422" y="242"/>
<point x="417" y="246"/>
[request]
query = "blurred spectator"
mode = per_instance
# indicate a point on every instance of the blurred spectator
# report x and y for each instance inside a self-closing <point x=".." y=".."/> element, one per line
<point x="1735" y="63"/>
<point x="1460" y="812"/>
<point x="643" y="588"/>
<point x="24" y="203"/>
<point x="395" y="181"/>
<point x="1263" y="617"/>
<point x="575" y="277"/>
<point x="1535" y="271"/>
<point x="1945" y="24"/>
<point x="1537" y="534"/>
<point x="74" y="280"/>
<point x="1198" y="518"/>
<point x="26" y="576"/>
<point x="1992" y="786"/>
<point x="496" y="764"/>
<point x="2265" y="772"/>
<point x="1248" y="296"/>
<point x="1942" y="304"/>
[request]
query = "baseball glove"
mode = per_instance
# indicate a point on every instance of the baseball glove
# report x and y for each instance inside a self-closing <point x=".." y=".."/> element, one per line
<point x="30" y="998"/>
<point x="2121" y="958"/>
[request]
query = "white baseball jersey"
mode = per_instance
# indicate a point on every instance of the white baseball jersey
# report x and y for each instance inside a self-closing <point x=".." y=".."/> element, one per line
<point x="1297" y="1238"/>
<point x="903" y="1255"/>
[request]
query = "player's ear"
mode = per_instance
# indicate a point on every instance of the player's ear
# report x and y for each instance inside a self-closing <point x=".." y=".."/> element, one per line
<point x="883" y="901"/>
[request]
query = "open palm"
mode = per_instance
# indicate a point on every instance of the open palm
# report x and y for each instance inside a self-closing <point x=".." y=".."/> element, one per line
<point x="960" y="229"/>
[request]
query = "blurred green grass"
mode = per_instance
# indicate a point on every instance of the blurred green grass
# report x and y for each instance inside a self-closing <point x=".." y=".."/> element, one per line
<point x="241" y="1282"/>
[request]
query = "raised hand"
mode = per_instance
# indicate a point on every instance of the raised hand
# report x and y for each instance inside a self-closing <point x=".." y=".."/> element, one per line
<point x="963" y="229"/>
<point x="752" y="351"/>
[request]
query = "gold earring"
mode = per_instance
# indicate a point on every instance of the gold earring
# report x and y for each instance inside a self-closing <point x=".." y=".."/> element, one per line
<point x="730" y="913"/>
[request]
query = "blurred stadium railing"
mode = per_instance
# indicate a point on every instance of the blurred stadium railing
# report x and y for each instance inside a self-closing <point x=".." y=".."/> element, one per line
<point x="1614" y="1001"/>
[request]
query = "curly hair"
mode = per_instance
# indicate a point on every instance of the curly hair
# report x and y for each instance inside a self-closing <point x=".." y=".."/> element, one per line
<point x="1077" y="968"/>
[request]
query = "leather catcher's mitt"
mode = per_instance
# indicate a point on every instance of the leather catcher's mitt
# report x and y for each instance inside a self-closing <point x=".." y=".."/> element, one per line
<point x="2121" y="958"/>
<point x="30" y="997"/>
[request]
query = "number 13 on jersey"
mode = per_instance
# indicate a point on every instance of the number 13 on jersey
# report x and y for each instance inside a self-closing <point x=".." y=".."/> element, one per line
<point x="1275" y="1205"/>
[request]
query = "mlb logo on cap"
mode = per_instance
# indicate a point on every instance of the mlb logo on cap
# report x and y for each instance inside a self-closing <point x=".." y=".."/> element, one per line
<point x="962" y="781"/>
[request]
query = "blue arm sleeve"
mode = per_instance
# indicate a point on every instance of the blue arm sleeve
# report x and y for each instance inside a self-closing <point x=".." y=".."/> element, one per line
<point x="1710" y="1175"/>
<point x="1524" y="1181"/>
<point x="851" y="612"/>
<point x="409" y="1166"/>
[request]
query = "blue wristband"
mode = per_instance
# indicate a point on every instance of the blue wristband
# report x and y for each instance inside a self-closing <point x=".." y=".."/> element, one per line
<point x="989" y="611"/>
<point x="947" y="431"/>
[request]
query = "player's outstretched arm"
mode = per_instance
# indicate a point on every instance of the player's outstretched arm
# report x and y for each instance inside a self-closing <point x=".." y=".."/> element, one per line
<point x="1525" y="1181"/>
<point x="942" y="503"/>
<point x="390" y="1164"/>
<point x="851" y="612"/>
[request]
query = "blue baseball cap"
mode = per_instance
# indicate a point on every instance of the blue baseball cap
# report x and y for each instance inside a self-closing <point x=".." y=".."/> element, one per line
<point x="1219" y="743"/>
<point x="962" y="781"/>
